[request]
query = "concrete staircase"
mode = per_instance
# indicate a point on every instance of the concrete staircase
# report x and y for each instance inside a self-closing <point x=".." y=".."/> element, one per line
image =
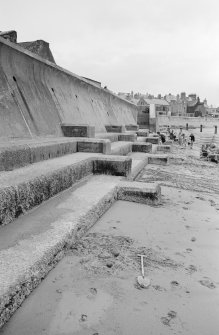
<point x="55" y="189"/>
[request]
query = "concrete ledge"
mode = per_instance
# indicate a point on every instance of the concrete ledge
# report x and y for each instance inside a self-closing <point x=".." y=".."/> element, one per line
<point x="132" y="127"/>
<point x="164" y="148"/>
<point x="115" y="128"/>
<point x="139" y="192"/>
<point x="127" y="137"/>
<point x="143" y="132"/>
<point x="158" y="159"/>
<point x="141" y="147"/>
<point x="94" y="145"/>
<point x="113" y="165"/>
<point x="16" y="156"/>
<point x="71" y="130"/>
<point x="152" y="140"/>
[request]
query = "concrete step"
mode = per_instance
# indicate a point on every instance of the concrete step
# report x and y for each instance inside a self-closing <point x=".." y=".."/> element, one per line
<point x="14" y="156"/>
<point x="139" y="161"/>
<point x="121" y="148"/>
<point x="27" y="187"/>
<point x="32" y="245"/>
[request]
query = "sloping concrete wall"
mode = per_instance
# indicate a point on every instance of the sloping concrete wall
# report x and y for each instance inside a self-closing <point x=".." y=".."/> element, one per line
<point x="37" y="95"/>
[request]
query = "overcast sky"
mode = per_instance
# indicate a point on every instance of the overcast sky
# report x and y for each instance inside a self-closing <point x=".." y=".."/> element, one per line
<point x="155" y="46"/>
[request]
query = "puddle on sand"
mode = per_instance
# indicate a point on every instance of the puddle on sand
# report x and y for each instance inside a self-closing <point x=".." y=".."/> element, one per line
<point x="77" y="312"/>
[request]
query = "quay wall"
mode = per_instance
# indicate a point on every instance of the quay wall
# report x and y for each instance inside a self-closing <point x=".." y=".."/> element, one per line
<point x="36" y="96"/>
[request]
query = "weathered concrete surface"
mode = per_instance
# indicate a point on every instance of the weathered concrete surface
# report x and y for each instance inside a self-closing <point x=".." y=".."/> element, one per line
<point x="30" y="248"/>
<point x="36" y="96"/>
<point x="139" y="161"/>
<point x="127" y="137"/>
<point x="94" y="145"/>
<point x="25" y="188"/>
<point x="113" y="165"/>
<point x="152" y="140"/>
<point x="70" y="130"/>
<point x="115" y="128"/>
<point x="141" y="147"/>
<point x="132" y="127"/>
<point x="143" y="132"/>
<point x="121" y="148"/>
<point x="139" y="192"/>
<point x="158" y="159"/>
<point x="14" y="156"/>
<point x="164" y="148"/>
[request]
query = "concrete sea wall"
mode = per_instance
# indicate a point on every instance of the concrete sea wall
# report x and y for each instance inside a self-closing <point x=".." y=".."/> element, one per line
<point x="36" y="96"/>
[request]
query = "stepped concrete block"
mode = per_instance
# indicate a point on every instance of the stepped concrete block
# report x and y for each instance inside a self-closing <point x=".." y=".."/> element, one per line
<point x="164" y="148"/>
<point x="132" y="127"/>
<point x="152" y="140"/>
<point x="139" y="192"/>
<point x="113" y="165"/>
<point x="143" y="132"/>
<point x="20" y="197"/>
<point x="16" y="156"/>
<point x="141" y="147"/>
<point x="158" y="159"/>
<point x="71" y="130"/>
<point x="121" y="148"/>
<point x="115" y="128"/>
<point x="127" y="137"/>
<point x="98" y="145"/>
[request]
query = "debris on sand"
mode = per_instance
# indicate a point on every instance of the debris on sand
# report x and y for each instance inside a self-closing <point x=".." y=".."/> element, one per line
<point x="109" y="254"/>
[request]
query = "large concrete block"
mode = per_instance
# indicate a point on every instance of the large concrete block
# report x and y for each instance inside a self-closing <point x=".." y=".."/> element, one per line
<point x="127" y="137"/>
<point x="115" y="128"/>
<point x="139" y="192"/>
<point x="143" y="132"/>
<point x="141" y="147"/>
<point x="152" y="140"/>
<point x="158" y="159"/>
<point x="132" y="127"/>
<point x="99" y="146"/>
<point x="114" y="165"/>
<point x="71" y="130"/>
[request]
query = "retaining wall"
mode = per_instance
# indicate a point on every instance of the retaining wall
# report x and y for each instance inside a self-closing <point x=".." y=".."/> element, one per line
<point x="36" y="96"/>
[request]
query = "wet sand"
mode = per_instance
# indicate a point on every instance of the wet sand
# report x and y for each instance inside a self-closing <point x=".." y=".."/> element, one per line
<point x="94" y="291"/>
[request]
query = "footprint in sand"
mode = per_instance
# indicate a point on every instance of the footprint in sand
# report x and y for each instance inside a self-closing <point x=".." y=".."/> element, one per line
<point x="208" y="283"/>
<point x="166" y="319"/>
